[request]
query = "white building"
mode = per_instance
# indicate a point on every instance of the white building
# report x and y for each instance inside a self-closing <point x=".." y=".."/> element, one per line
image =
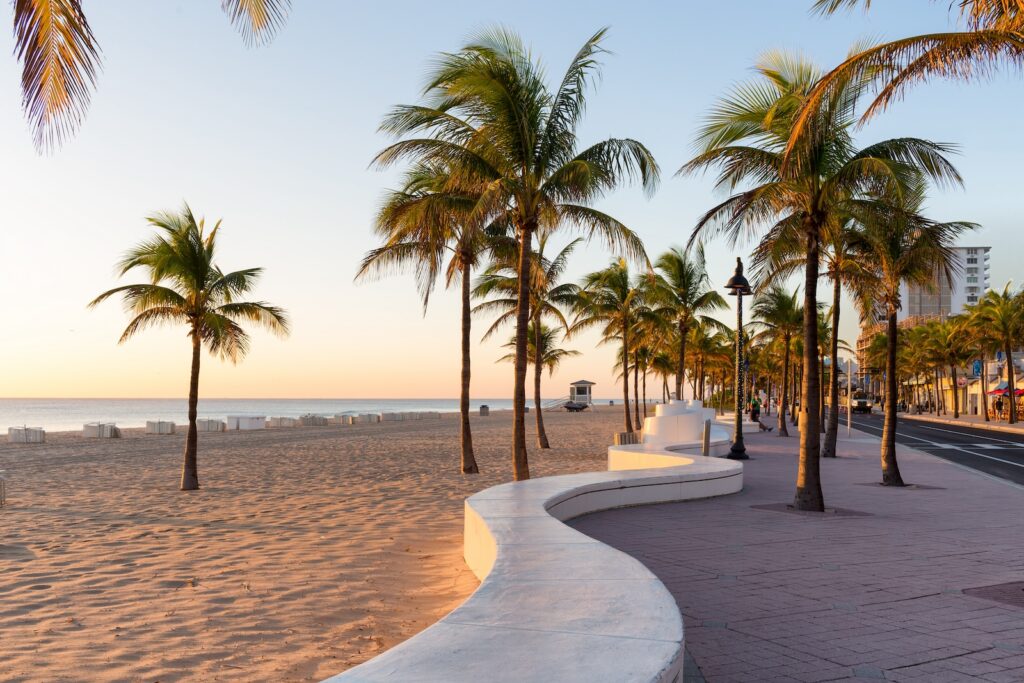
<point x="970" y="282"/>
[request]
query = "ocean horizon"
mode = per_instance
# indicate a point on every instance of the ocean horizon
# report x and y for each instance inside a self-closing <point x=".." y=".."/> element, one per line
<point x="66" y="414"/>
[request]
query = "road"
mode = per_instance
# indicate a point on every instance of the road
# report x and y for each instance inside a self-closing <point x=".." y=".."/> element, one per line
<point x="999" y="454"/>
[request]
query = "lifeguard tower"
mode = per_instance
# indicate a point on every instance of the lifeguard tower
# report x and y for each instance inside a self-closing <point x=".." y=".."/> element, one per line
<point x="581" y="392"/>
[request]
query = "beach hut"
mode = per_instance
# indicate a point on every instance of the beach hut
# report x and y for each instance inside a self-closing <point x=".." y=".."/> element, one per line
<point x="311" y="420"/>
<point x="207" y="425"/>
<point x="101" y="430"/>
<point x="244" y="422"/>
<point x="283" y="422"/>
<point x="26" y="435"/>
<point x="581" y="391"/>
<point x="159" y="427"/>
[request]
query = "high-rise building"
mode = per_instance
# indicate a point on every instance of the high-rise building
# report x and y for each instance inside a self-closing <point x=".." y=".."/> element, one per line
<point x="945" y="298"/>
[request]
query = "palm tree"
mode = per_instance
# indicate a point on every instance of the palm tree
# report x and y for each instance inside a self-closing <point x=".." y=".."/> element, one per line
<point x="985" y="341"/>
<point x="188" y="287"/>
<point x="949" y="345"/>
<point x="905" y="248"/>
<point x="612" y="299"/>
<point x="781" y="314"/>
<point x="994" y="38"/>
<point x="60" y="57"/>
<point x="547" y="297"/>
<point x="429" y="229"/>
<point x="685" y="296"/>
<point x="490" y="116"/>
<point x="1003" y="313"/>
<point x="549" y="355"/>
<point x="831" y="182"/>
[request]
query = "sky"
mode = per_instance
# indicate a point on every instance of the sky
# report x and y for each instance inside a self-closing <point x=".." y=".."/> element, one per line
<point x="277" y="141"/>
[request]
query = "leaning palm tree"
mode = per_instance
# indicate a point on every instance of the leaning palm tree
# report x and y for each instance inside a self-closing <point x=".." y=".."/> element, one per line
<point x="188" y="287"/>
<point x="430" y="230"/>
<point x="1003" y="313"/>
<point x="547" y="298"/>
<point x="994" y="39"/>
<point x="616" y="302"/>
<point x="903" y="248"/>
<point x="745" y="137"/>
<point x="60" y="57"/>
<point x="685" y="295"/>
<point x="781" y="315"/>
<point x="490" y="116"/>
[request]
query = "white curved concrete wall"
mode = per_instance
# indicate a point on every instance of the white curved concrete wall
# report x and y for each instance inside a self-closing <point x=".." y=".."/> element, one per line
<point x="554" y="604"/>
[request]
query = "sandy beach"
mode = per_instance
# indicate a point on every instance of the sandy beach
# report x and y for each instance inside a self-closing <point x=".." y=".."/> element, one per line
<point x="307" y="551"/>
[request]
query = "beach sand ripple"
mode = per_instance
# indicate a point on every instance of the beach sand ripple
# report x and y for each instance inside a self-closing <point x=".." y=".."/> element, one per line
<point x="307" y="551"/>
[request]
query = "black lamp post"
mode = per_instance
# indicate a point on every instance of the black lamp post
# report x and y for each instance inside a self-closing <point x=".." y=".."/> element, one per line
<point x="738" y="287"/>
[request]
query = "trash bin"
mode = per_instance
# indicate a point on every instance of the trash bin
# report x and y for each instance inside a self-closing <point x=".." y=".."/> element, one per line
<point x="485" y="411"/>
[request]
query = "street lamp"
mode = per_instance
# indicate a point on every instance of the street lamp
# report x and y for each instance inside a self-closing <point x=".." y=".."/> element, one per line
<point x="738" y="287"/>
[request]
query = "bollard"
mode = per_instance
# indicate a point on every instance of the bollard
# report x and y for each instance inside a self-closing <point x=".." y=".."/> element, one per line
<point x="705" y="448"/>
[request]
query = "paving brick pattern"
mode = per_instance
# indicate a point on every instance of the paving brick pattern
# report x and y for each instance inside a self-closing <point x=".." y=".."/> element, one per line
<point x="772" y="596"/>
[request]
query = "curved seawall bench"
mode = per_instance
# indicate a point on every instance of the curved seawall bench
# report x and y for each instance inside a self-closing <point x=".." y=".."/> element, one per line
<point x="554" y="604"/>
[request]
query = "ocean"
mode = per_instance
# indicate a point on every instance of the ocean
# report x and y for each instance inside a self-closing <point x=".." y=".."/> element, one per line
<point x="64" y="414"/>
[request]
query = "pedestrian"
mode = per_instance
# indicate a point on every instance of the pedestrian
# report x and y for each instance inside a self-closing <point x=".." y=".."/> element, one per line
<point x="755" y="409"/>
<point x="999" y="407"/>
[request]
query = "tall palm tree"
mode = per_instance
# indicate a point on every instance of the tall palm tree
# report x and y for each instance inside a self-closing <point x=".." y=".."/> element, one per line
<point x="781" y="314"/>
<point x="430" y="229"/>
<point x="904" y="248"/>
<point x="1003" y="313"/>
<point x="685" y="295"/>
<point x="994" y="39"/>
<point x="745" y="137"/>
<point x="60" y="57"/>
<point x="490" y="114"/>
<point x="615" y="301"/>
<point x="188" y="287"/>
<point x="547" y="298"/>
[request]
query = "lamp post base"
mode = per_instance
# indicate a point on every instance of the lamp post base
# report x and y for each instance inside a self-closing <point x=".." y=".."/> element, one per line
<point x="738" y="451"/>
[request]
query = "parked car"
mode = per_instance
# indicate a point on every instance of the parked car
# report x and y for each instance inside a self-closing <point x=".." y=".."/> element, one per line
<point x="860" y="403"/>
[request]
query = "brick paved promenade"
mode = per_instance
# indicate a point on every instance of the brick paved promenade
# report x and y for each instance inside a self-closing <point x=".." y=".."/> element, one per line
<point x="778" y="596"/>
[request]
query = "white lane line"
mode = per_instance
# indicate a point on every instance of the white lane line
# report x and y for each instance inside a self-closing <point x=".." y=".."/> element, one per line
<point x="969" y="436"/>
<point x="945" y="446"/>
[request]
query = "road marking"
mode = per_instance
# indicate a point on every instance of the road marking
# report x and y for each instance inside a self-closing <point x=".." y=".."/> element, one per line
<point x="925" y="444"/>
<point x="971" y="436"/>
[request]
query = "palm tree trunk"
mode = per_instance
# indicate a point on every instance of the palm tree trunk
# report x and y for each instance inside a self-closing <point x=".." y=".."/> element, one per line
<point x="890" y="468"/>
<point x="794" y="414"/>
<point x="1011" y="383"/>
<point x="625" y="376"/>
<point x="808" y="479"/>
<point x="785" y="392"/>
<point x="636" y="389"/>
<point x="190" y="467"/>
<point x="681" y="369"/>
<point x="984" y="387"/>
<point x="538" y="372"/>
<point x="821" y="394"/>
<point x="643" y="384"/>
<point x="956" y="392"/>
<point x="469" y="465"/>
<point x="520" y="464"/>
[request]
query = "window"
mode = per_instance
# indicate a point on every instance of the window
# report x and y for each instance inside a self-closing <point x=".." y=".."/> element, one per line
<point x="972" y="259"/>
<point x="972" y="251"/>
<point x="972" y="279"/>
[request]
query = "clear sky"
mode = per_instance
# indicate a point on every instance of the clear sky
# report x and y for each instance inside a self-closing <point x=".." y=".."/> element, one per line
<point x="277" y="142"/>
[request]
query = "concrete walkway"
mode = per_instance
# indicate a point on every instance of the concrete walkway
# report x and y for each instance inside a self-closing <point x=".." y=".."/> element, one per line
<point x="875" y="591"/>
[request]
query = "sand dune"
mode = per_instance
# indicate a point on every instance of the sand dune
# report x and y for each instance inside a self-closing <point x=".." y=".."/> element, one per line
<point x="307" y="551"/>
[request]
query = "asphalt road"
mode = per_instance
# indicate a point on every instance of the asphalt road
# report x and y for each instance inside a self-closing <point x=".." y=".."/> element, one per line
<point x="999" y="454"/>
